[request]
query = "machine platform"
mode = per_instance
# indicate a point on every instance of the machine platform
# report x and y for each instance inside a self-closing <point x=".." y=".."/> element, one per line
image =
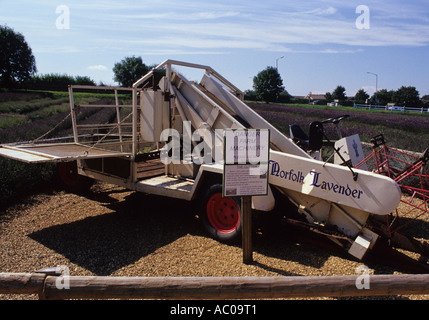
<point x="58" y="152"/>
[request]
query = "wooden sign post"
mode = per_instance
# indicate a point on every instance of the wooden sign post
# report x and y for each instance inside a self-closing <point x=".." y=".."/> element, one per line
<point x="246" y="229"/>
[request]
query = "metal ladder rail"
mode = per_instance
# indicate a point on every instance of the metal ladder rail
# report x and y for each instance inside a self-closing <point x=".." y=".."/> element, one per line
<point x="74" y="109"/>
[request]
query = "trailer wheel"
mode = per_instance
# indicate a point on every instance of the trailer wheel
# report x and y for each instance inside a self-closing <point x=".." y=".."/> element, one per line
<point x="220" y="216"/>
<point x="72" y="181"/>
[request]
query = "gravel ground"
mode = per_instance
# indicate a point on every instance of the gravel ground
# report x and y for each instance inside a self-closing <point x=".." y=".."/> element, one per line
<point x="115" y="232"/>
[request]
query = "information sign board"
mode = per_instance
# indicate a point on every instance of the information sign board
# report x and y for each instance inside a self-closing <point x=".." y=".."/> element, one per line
<point x="246" y="160"/>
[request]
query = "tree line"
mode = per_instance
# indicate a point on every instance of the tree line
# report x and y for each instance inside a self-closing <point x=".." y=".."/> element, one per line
<point x="404" y="97"/>
<point x="268" y="87"/>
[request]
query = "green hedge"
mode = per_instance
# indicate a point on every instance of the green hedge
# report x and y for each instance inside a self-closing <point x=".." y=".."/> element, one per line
<point x="18" y="179"/>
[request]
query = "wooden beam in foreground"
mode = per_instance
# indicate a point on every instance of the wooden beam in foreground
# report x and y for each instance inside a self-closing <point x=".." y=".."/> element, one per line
<point x="183" y="288"/>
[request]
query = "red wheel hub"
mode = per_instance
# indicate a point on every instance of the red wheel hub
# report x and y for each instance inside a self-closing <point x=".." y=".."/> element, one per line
<point x="223" y="213"/>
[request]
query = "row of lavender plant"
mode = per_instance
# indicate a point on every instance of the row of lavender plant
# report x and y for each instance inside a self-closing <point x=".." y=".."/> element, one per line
<point x="401" y="130"/>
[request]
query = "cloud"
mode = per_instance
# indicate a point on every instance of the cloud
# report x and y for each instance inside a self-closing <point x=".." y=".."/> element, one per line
<point x="271" y="29"/>
<point x="99" y="67"/>
<point x="271" y="26"/>
<point x="55" y="49"/>
<point x="215" y="15"/>
<point x="324" y="12"/>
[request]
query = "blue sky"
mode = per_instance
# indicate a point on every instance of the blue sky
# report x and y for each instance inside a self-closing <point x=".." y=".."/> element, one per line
<point x="323" y="43"/>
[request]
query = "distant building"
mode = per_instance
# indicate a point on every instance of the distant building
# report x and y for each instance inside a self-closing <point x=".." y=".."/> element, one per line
<point x="314" y="98"/>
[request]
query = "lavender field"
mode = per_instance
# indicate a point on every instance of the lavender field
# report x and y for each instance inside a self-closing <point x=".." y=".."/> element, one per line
<point x="403" y="130"/>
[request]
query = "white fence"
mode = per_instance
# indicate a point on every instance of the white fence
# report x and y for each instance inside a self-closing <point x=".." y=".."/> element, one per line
<point x="391" y="108"/>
